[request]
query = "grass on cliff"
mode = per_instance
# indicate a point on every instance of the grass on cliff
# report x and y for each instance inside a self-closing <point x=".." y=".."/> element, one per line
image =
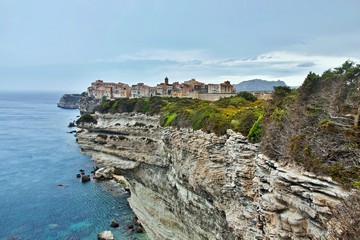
<point x="238" y="113"/>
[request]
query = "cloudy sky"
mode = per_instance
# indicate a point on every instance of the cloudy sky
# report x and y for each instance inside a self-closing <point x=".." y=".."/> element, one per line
<point x="67" y="44"/>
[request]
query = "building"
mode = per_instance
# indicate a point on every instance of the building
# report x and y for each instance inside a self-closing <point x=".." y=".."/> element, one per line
<point x="100" y="89"/>
<point x="164" y="89"/>
<point x="191" y="89"/>
<point x="226" y="87"/>
<point x="121" y="90"/>
<point x="140" y="90"/>
<point x="214" y="88"/>
<point x="197" y="86"/>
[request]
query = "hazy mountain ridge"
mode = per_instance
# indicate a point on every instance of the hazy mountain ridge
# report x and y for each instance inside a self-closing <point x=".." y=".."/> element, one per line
<point x="258" y="85"/>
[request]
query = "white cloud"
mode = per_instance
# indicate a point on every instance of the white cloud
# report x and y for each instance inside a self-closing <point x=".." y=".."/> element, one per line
<point x="290" y="67"/>
<point x="162" y="55"/>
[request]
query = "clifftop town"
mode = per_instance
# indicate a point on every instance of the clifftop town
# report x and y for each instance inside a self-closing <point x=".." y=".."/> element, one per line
<point x="190" y="89"/>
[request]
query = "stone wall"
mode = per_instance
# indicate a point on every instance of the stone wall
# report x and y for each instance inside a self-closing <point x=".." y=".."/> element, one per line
<point x="188" y="184"/>
<point x="214" y="96"/>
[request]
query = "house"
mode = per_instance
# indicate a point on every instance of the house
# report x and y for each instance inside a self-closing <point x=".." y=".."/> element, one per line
<point x="214" y="88"/>
<point x="164" y="89"/>
<point x="100" y="89"/>
<point x="226" y="87"/>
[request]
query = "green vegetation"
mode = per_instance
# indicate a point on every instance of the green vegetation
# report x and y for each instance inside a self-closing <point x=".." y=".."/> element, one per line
<point x="86" y="118"/>
<point x="317" y="125"/>
<point x="239" y="113"/>
<point x="256" y="131"/>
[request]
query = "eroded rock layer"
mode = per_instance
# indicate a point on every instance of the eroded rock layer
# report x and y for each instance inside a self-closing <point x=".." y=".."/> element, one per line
<point x="188" y="184"/>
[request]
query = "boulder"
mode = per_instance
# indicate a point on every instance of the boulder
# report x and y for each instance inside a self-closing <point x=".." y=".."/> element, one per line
<point x="72" y="124"/>
<point x="106" y="235"/>
<point x="139" y="229"/>
<point x="104" y="173"/>
<point x="114" y="224"/>
<point x="85" y="178"/>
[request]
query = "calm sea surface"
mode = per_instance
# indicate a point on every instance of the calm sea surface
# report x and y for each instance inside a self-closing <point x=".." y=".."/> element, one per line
<point x="40" y="196"/>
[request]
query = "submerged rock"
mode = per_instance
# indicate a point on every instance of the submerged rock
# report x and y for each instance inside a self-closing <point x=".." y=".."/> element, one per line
<point x="85" y="178"/>
<point x="114" y="224"/>
<point x="106" y="235"/>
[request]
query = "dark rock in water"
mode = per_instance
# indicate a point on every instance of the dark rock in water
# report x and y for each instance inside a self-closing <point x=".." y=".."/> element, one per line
<point x="72" y="124"/>
<point x="70" y="101"/>
<point x="72" y="132"/>
<point x="60" y="185"/>
<point x="78" y="175"/>
<point x="114" y="224"/>
<point x="128" y="190"/>
<point x="106" y="235"/>
<point x="85" y="178"/>
<point x="139" y="229"/>
<point x="130" y="226"/>
<point x="81" y="170"/>
<point x="82" y="173"/>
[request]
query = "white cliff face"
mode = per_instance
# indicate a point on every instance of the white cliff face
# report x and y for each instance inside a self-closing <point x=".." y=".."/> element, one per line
<point x="188" y="184"/>
<point x="70" y="101"/>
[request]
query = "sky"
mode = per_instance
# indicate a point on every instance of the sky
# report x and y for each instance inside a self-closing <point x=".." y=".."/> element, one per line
<point x="64" y="45"/>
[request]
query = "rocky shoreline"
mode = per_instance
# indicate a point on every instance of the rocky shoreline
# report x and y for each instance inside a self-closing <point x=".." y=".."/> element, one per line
<point x="188" y="184"/>
<point x="106" y="174"/>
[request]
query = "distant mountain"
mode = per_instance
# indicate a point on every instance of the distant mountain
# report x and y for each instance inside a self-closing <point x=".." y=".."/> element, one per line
<point x="258" y="85"/>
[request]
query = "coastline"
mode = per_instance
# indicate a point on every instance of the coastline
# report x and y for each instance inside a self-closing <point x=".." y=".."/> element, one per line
<point x="41" y="196"/>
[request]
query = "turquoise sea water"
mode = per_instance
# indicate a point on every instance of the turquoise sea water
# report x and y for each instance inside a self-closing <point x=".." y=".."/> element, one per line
<point x="40" y="196"/>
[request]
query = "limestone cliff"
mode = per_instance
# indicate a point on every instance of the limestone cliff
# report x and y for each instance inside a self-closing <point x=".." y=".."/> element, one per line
<point x="188" y="184"/>
<point x="87" y="104"/>
<point x="70" y="101"/>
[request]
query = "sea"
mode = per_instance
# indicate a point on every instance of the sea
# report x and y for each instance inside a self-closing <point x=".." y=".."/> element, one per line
<point x="40" y="195"/>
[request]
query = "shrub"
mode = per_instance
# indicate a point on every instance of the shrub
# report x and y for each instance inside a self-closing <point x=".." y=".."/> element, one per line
<point x="255" y="132"/>
<point x="86" y="118"/>
<point x="247" y="96"/>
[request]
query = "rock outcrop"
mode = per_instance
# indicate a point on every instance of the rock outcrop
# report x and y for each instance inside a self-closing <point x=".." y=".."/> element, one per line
<point x="188" y="184"/>
<point x="70" y="101"/>
<point x="106" y="235"/>
<point x="104" y="173"/>
<point x="88" y="104"/>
